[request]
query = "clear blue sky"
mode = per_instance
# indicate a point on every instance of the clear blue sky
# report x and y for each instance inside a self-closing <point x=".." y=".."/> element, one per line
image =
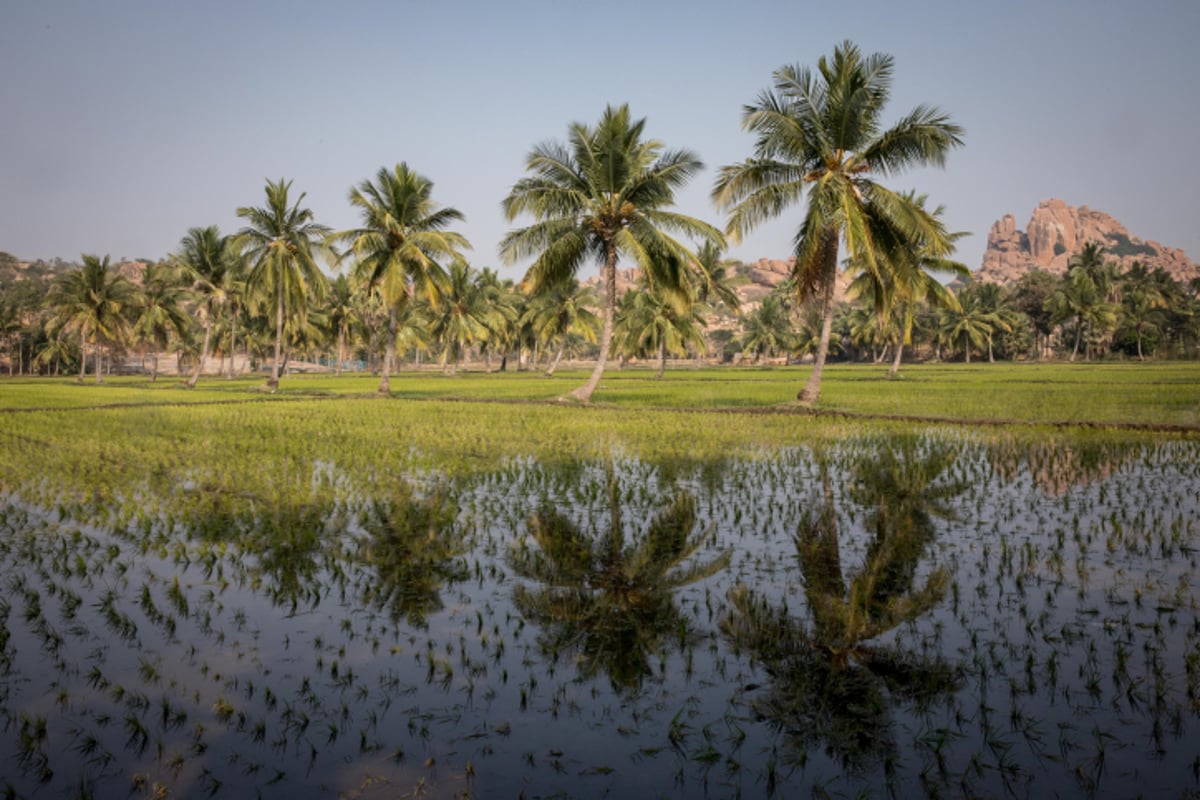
<point x="125" y="123"/>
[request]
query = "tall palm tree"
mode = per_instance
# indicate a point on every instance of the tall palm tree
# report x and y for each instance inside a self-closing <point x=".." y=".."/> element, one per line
<point x="205" y="257"/>
<point x="280" y="240"/>
<point x="93" y="302"/>
<point x="602" y="196"/>
<point x="402" y="236"/>
<point x="559" y="313"/>
<point x="823" y="132"/>
<point x="160" y="311"/>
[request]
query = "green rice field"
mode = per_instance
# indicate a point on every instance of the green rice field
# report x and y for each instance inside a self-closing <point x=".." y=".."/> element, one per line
<point x="974" y="581"/>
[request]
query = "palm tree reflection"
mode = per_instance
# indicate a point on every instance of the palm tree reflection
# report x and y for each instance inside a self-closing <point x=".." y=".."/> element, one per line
<point x="832" y="680"/>
<point x="608" y="599"/>
<point x="412" y="547"/>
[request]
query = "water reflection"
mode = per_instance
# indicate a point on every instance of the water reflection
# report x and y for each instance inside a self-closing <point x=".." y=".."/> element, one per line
<point x="608" y="599"/>
<point x="411" y="547"/>
<point x="833" y="679"/>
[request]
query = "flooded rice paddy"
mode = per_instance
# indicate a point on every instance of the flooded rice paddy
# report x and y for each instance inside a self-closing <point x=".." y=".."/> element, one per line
<point x="903" y="615"/>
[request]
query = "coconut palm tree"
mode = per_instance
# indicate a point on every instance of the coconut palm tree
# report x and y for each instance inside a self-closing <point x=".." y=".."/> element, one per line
<point x="502" y="307"/>
<point x="912" y="278"/>
<point x="713" y="282"/>
<point x="343" y="312"/>
<point x="397" y="248"/>
<point x="559" y="313"/>
<point x="823" y="132"/>
<point x="767" y="330"/>
<point x="460" y="320"/>
<point x="648" y="322"/>
<point x="205" y="258"/>
<point x="992" y="299"/>
<point x="160" y="313"/>
<point x="281" y="242"/>
<point x="95" y="303"/>
<point x="1142" y="302"/>
<point x="603" y="196"/>
<point x="970" y="321"/>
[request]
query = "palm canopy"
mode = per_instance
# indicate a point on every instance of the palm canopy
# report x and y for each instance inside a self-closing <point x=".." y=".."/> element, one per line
<point x="821" y="133"/>
<point x="402" y="237"/>
<point x="207" y="259"/>
<point x="93" y="302"/>
<point x="280" y="241"/>
<point x="604" y="195"/>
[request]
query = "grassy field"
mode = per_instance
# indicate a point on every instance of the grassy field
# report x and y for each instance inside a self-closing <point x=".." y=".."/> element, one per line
<point x="1166" y="394"/>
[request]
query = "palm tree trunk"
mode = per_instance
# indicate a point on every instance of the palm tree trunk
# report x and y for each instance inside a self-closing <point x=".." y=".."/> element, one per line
<point x="608" y="274"/>
<point x="389" y="347"/>
<point x="1078" y="336"/>
<point x="154" y="369"/>
<point x="895" y="368"/>
<point x="562" y="348"/>
<point x="662" y="359"/>
<point x="273" y="383"/>
<point x="82" y="352"/>
<point x="991" y="356"/>
<point x="203" y="356"/>
<point x="98" y="364"/>
<point x="341" y="352"/>
<point x="232" y="340"/>
<point x="1139" y="342"/>
<point x="829" y="248"/>
<point x="966" y="347"/>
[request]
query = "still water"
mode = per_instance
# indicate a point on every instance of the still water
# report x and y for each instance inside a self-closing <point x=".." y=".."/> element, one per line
<point x="910" y="615"/>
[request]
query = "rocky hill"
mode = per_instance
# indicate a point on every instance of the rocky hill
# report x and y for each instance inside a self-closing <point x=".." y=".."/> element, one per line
<point x="1057" y="231"/>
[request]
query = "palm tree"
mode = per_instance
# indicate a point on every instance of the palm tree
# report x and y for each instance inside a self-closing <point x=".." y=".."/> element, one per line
<point x="459" y="321"/>
<point x="767" y="330"/>
<point x="971" y="321"/>
<point x="992" y="299"/>
<point x="205" y="257"/>
<point x="93" y="302"/>
<point x="501" y="309"/>
<point x="280" y="240"/>
<point x="910" y="279"/>
<point x="1142" y="300"/>
<point x="559" y="313"/>
<point x="160" y="310"/>
<point x="343" y="314"/>
<point x="822" y="131"/>
<point x="712" y="280"/>
<point x="397" y="247"/>
<point x="648" y="322"/>
<point x="603" y="196"/>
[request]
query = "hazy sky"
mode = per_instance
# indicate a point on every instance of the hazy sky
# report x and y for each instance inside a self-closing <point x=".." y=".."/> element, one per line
<point x="126" y="123"/>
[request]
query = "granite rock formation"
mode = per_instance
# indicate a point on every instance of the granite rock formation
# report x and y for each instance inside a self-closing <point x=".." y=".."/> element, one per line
<point x="1057" y="231"/>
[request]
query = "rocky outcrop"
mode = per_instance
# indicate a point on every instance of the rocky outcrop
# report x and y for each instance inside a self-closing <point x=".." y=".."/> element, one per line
<point x="1057" y="231"/>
